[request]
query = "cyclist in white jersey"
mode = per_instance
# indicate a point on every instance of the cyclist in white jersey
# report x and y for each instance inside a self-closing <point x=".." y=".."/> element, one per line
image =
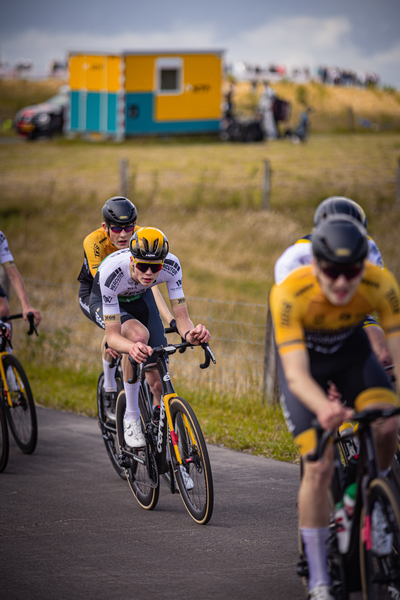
<point x="300" y="254"/>
<point x="7" y="261"/>
<point x="119" y="304"/>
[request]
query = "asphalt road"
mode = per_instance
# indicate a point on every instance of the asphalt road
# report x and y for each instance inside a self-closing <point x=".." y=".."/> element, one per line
<point x="71" y="529"/>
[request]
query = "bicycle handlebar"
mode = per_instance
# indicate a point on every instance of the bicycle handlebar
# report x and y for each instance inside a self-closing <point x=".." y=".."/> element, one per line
<point x="31" y="319"/>
<point x="171" y="349"/>
<point x="364" y="417"/>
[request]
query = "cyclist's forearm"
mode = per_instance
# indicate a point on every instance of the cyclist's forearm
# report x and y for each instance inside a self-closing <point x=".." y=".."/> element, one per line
<point x="18" y="287"/>
<point x="394" y="349"/>
<point x="183" y="322"/>
<point x="162" y="307"/>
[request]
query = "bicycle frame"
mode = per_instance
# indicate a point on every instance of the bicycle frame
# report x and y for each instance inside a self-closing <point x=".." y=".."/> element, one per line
<point x="3" y="351"/>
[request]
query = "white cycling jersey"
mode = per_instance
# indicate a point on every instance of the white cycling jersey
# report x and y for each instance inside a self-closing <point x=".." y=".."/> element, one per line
<point x="5" y="254"/>
<point x="301" y="254"/>
<point x="114" y="283"/>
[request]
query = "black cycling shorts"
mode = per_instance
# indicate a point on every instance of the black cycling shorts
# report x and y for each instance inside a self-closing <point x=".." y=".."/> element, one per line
<point x="85" y="289"/>
<point x="144" y="309"/>
<point x="353" y="368"/>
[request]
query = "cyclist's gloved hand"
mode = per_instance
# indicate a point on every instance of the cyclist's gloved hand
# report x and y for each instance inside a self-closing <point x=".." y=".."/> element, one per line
<point x="198" y="335"/>
<point x="140" y="352"/>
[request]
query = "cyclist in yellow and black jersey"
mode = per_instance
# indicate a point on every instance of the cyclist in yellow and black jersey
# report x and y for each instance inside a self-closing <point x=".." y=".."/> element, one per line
<point x="318" y="312"/>
<point x="300" y="254"/>
<point x="119" y="225"/>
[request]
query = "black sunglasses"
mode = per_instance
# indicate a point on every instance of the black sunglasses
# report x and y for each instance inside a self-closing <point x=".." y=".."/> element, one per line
<point x="349" y="271"/>
<point x="143" y="267"/>
<point x="127" y="228"/>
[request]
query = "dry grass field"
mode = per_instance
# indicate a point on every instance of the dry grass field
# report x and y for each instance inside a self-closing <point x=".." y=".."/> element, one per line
<point x="207" y="198"/>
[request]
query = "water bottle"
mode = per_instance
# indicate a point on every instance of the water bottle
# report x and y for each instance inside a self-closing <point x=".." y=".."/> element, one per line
<point x="342" y="527"/>
<point x="344" y="511"/>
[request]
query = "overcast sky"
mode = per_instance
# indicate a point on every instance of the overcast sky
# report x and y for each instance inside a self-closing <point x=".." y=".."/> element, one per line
<point x="355" y="34"/>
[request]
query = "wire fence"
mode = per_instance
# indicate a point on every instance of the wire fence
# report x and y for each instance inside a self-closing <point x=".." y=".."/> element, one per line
<point x="238" y="331"/>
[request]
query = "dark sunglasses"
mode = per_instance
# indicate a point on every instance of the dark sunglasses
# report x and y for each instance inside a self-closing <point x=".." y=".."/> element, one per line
<point x="349" y="271"/>
<point x="128" y="229"/>
<point x="143" y="267"/>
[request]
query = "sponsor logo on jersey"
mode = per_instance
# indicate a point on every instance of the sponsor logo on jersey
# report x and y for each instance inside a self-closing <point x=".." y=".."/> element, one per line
<point x="285" y="314"/>
<point x="370" y="283"/>
<point x="393" y="300"/>
<point x="171" y="266"/>
<point x="344" y="317"/>
<point x="319" y="319"/>
<point x="107" y="299"/>
<point x="111" y="318"/>
<point x="304" y="289"/>
<point x="114" y="279"/>
<point x="96" y="251"/>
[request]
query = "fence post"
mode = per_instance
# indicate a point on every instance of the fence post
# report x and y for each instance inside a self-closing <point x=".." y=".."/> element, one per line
<point x="123" y="177"/>
<point x="398" y="182"/>
<point x="270" y="383"/>
<point x="267" y="185"/>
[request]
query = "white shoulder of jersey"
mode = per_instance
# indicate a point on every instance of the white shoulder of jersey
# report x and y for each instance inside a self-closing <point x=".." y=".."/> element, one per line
<point x="292" y="258"/>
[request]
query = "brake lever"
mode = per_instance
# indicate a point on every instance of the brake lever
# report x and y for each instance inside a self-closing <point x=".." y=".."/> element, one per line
<point x="32" y="326"/>
<point x="135" y="367"/>
<point x="208" y="355"/>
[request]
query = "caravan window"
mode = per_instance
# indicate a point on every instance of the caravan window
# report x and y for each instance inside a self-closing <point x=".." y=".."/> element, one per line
<point x="169" y="73"/>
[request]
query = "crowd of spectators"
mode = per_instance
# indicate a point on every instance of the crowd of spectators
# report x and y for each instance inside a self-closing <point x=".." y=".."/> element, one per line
<point x="328" y="75"/>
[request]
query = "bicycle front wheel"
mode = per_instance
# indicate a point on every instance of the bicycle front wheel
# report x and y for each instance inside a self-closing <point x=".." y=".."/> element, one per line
<point x="21" y="411"/>
<point x="380" y="544"/>
<point x="193" y="476"/>
<point x="141" y="474"/>
<point x="4" y="441"/>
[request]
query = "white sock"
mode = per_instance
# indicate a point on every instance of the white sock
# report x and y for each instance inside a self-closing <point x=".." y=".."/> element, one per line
<point x="132" y="400"/>
<point x="109" y="377"/>
<point x="315" y="542"/>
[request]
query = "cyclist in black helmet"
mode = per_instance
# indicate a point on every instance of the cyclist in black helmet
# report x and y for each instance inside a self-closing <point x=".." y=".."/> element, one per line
<point x="301" y="253"/>
<point x="318" y="312"/>
<point x="118" y="226"/>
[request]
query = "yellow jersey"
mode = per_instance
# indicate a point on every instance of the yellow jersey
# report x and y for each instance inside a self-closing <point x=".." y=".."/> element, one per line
<point x="304" y="318"/>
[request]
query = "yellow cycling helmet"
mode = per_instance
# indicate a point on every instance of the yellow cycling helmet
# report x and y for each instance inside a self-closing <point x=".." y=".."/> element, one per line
<point x="149" y="244"/>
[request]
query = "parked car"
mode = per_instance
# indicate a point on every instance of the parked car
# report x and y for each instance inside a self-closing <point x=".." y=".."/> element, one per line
<point x="45" y="119"/>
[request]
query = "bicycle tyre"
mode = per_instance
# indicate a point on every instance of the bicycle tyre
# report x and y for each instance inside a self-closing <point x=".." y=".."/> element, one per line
<point x="199" y="501"/>
<point x="380" y="575"/>
<point x="107" y="425"/>
<point x="145" y="491"/>
<point x="4" y="441"/>
<point x="22" y="414"/>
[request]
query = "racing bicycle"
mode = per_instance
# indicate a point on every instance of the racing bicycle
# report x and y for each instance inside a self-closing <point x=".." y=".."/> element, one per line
<point x="366" y="565"/>
<point x="17" y="407"/>
<point x="175" y="447"/>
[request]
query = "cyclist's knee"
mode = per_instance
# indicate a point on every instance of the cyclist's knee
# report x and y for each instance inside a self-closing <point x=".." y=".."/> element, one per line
<point x="135" y="331"/>
<point x="319" y="474"/>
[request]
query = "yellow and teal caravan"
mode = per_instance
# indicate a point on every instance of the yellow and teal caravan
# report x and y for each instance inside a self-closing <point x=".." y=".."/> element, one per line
<point x="141" y="93"/>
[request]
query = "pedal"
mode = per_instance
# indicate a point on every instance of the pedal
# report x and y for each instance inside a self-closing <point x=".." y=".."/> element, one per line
<point x="123" y="461"/>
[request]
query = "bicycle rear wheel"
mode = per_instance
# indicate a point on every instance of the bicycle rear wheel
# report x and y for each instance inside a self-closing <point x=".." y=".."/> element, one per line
<point x="4" y="441"/>
<point x="21" y="413"/>
<point x="380" y="566"/>
<point x="141" y="474"/>
<point x="107" y="424"/>
<point x="197" y="492"/>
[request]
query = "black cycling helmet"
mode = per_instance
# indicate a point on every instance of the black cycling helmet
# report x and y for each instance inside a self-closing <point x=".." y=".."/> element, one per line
<point x="339" y="205"/>
<point x="339" y="239"/>
<point x="119" y="211"/>
<point x="149" y="244"/>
